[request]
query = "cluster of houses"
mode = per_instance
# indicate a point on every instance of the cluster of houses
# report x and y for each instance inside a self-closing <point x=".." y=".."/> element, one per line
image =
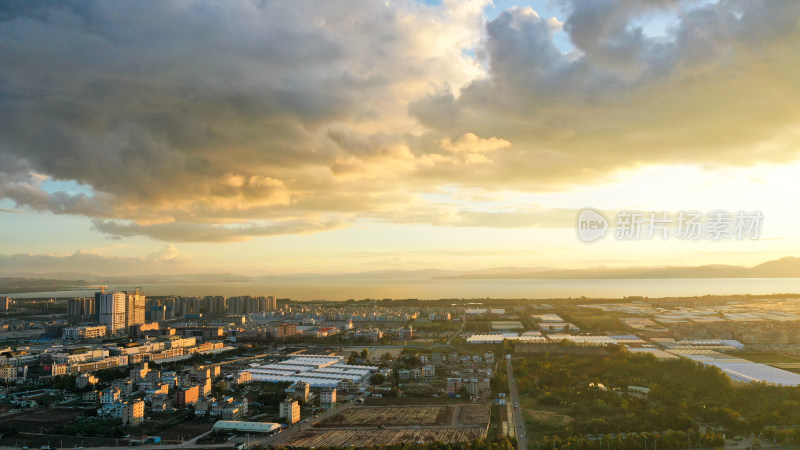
<point x="164" y="391"/>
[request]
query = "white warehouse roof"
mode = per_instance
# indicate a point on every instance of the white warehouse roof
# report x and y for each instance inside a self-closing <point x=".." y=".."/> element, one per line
<point x="742" y="370"/>
<point x="354" y="366"/>
<point x="256" y="427"/>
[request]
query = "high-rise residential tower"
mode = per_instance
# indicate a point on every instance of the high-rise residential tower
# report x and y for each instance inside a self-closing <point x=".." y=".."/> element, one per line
<point x="81" y="309"/>
<point x="134" y="308"/>
<point x="111" y="310"/>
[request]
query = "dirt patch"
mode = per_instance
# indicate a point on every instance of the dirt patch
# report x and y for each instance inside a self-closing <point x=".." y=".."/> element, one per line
<point x="37" y="441"/>
<point x="474" y="414"/>
<point x="41" y="420"/>
<point x="548" y="418"/>
<point x="184" y="430"/>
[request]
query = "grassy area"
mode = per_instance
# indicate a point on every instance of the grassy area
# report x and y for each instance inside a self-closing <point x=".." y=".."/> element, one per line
<point x="543" y="419"/>
<point x="184" y="431"/>
<point x="766" y="358"/>
<point x="479" y="349"/>
<point x="589" y="319"/>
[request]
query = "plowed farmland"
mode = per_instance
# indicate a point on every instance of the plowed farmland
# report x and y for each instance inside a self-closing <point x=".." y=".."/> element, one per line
<point x="388" y="425"/>
<point x="389" y="436"/>
<point x="390" y="415"/>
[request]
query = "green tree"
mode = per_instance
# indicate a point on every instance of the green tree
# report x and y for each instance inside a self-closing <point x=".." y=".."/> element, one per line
<point x="377" y="379"/>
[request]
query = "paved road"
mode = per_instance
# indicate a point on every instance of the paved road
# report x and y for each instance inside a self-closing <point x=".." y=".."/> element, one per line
<point x="519" y="424"/>
<point x="458" y="333"/>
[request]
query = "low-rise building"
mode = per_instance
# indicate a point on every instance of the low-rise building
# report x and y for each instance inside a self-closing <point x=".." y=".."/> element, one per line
<point x="110" y="395"/>
<point x="187" y="396"/>
<point x="327" y="398"/>
<point x="139" y="373"/>
<point x="84" y="380"/>
<point x="242" y="377"/>
<point x="78" y="333"/>
<point x="205" y="387"/>
<point x="161" y="389"/>
<point x="290" y="410"/>
<point x="161" y="403"/>
<point x="405" y="333"/>
<point x="429" y="372"/>
<point x="299" y="390"/>
<point x="453" y="386"/>
<point x="132" y="412"/>
<point x="91" y="397"/>
<point x="125" y="386"/>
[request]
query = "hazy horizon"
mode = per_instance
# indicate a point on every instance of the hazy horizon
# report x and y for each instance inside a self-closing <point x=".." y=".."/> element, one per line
<point x="436" y="289"/>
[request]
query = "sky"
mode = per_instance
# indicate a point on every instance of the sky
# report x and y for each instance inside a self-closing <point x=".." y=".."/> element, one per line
<point x="273" y="137"/>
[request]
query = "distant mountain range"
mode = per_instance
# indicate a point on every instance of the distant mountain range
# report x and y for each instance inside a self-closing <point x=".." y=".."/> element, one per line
<point x="59" y="281"/>
<point x="788" y="267"/>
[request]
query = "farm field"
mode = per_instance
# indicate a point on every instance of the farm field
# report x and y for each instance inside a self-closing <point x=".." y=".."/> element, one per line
<point x="40" y="419"/>
<point x="373" y="416"/>
<point x="388" y="425"/>
<point x="31" y="423"/>
<point x="389" y="436"/>
<point x="183" y="431"/>
<point x="32" y="440"/>
<point x="766" y="358"/>
<point x="474" y="414"/>
<point x="593" y="319"/>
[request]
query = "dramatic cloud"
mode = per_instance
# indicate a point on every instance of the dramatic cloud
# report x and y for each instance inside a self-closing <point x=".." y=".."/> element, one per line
<point x="210" y="232"/>
<point x="715" y="90"/>
<point x="218" y="121"/>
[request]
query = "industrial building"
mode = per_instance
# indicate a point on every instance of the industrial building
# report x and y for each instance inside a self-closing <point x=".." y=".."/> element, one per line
<point x="740" y="369"/>
<point x="317" y="371"/>
<point x="246" y="427"/>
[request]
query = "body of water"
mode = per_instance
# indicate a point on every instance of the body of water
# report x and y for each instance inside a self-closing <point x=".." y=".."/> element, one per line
<point x="453" y="288"/>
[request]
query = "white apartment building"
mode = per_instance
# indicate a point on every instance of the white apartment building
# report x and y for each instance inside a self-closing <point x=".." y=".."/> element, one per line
<point x="129" y="412"/>
<point x="327" y="398"/>
<point x="111" y="307"/>
<point x="110" y="395"/>
<point x="429" y="372"/>
<point x="290" y="409"/>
